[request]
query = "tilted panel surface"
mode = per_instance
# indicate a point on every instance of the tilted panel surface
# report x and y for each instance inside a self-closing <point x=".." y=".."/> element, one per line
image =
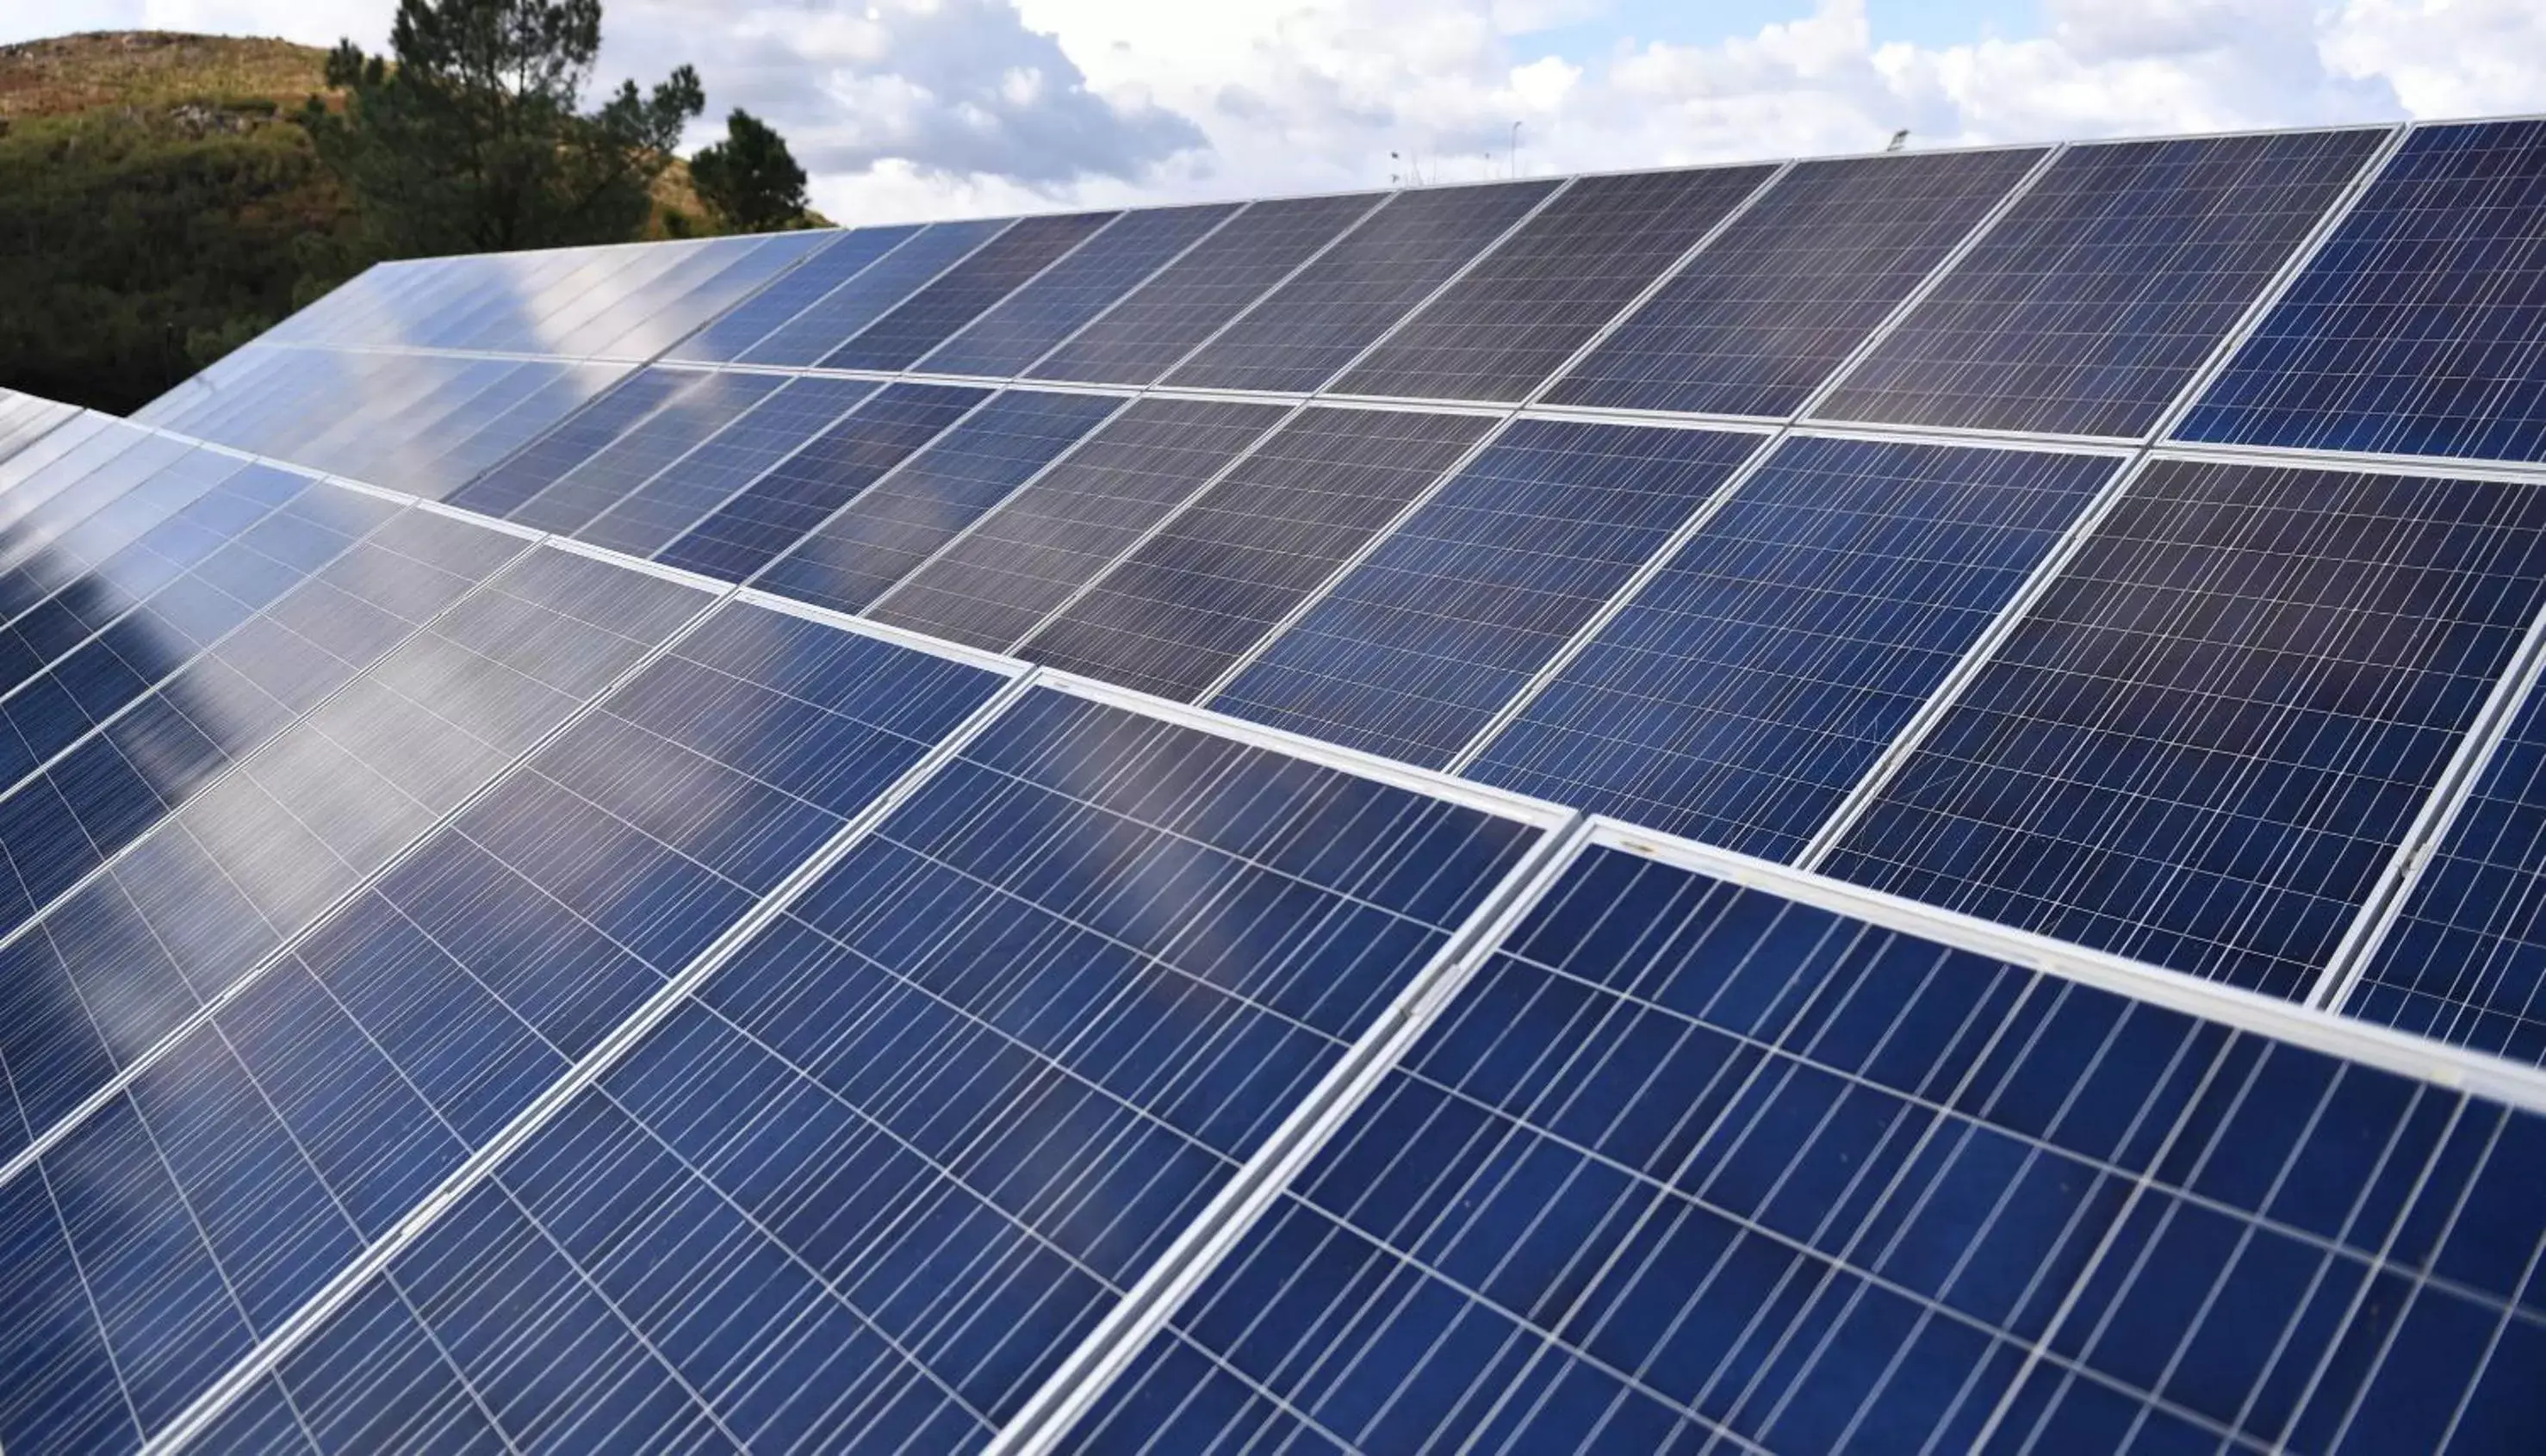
<point x="965" y="291"/>
<point x="1179" y="611"/>
<point x="2087" y="308"/>
<point x="1519" y="314"/>
<point x="661" y="509"/>
<point x="838" y="315"/>
<point x="2203" y="743"/>
<point x="1691" y="1168"/>
<point x="884" y="1168"/>
<point x="1027" y="557"/>
<point x="798" y="493"/>
<point x="1166" y="318"/>
<point x="1302" y="331"/>
<point x="1760" y="318"/>
<point x="611" y="474"/>
<point x="1414" y="653"/>
<point x="575" y="439"/>
<point x="1753" y="681"/>
<point x="1026" y="324"/>
<point x="882" y="536"/>
<point x="723" y="340"/>
<point x="257" y="1155"/>
<point x="2420" y="327"/>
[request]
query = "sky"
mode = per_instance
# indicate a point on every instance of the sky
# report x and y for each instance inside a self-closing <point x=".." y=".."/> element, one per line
<point x="920" y="109"/>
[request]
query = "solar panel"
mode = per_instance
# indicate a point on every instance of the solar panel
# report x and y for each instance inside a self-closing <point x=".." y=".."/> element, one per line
<point x="945" y="1056"/>
<point x="1762" y="672"/>
<point x="965" y="291"/>
<point x="2087" y="308"/>
<point x="838" y="315"/>
<point x="2415" y="330"/>
<point x="682" y="494"/>
<point x="1169" y="316"/>
<point x="759" y="523"/>
<point x="1029" y="322"/>
<point x="1314" y="325"/>
<point x="608" y="476"/>
<point x="303" y="1117"/>
<point x="902" y="522"/>
<point x="992" y="584"/>
<point x="571" y="441"/>
<point x="723" y="339"/>
<point x="1184" y="604"/>
<point x="1754" y="323"/>
<point x="1690" y="1166"/>
<point x="2203" y="743"/>
<point x="1414" y="651"/>
<point x="1516" y="317"/>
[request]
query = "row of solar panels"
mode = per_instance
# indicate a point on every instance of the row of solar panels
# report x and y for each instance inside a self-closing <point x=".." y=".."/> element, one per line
<point x="2204" y="712"/>
<point x="2080" y="292"/>
<point x="515" y="999"/>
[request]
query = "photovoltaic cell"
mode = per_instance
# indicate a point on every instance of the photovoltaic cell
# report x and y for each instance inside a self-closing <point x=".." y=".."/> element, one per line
<point x="1184" y="606"/>
<point x="1028" y="323"/>
<point x="1517" y="316"/>
<point x="724" y="339"/>
<point x="681" y="495"/>
<point x="965" y="291"/>
<point x="884" y="1167"/>
<point x="886" y="532"/>
<point x="2087" y="308"/>
<point x="611" y="473"/>
<point x="1691" y="1168"/>
<point x="2466" y="959"/>
<point x="575" y="439"/>
<point x="535" y="397"/>
<point x="1756" y="321"/>
<point x="710" y="281"/>
<point x="798" y="494"/>
<point x="306" y="1116"/>
<point x="1417" y="649"/>
<point x="840" y="314"/>
<point x="1309" y="328"/>
<point x="1026" y="558"/>
<point x="2203" y="743"/>
<point x="1753" y="681"/>
<point x="1167" y="317"/>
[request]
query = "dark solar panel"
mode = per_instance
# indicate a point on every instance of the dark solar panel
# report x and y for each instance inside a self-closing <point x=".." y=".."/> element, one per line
<point x="760" y="523"/>
<point x="1760" y="674"/>
<point x="1692" y="1168"/>
<point x="838" y="315"/>
<point x="1798" y="282"/>
<point x="1029" y="322"/>
<point x="1309" y="328"/>
<point x="2204" y="742"/>
<point x="682" y="494"/>
<point x="1166" y="318"/>
<point x="1414" y="653"/>
<point x="1517" y="316"/>
<point x="857" y="555"/>
<point x="725" y="338"/>
<point x="965" y="291"/>
<point x="611" y="474"/>
<point x="2420" y="327"/>
<point x="575" y="439"/>
<point x="918" y="1135"/>
<point x="1184" y="606"/>
<point x="306" y="1117"/>
<point x="2087" y="308"/>
<point x="1032" y="554"/>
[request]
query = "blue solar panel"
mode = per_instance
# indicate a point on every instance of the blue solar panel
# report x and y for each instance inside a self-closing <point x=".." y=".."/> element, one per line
<point x="1755" y="322"/>
<point x="2202" y="745"/>
<point x="1693" y="1168"/>
<point x="922" y="1132"/>
<point x="830" y="320"/>
<point x="2465" y="960"/>
<point x="2087" y="308"/>
<point x="1414" y="653"/>
<point x="308" y="1114"/>
<point x="724" y="339"/>
<point x="574" y="439"/>
<point x="611" y="474"/>
<point x="1314" y="325"/>
<point x="657" y="512"/>
<point x="2420" y="327"/>
<point x="965" y="291"/>
<point x="1760" y="674"/>
<point x="875" y="540"/>
<point x="1029" y="322"/>
<point x="759" y="523"/>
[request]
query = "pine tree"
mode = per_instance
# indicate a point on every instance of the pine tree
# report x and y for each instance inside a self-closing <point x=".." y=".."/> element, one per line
<point x="749" y="180"/>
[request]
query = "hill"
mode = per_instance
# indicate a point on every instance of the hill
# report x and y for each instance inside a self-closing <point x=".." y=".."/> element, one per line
<point x="158" y="207"/>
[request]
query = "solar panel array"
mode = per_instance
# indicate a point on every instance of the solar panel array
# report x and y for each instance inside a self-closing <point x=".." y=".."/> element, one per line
<point x="1886" y="803"/>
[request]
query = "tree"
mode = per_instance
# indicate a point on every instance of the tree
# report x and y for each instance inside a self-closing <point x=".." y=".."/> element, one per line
<point x="749" y="180"/>
<point x="468" y="135"/>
